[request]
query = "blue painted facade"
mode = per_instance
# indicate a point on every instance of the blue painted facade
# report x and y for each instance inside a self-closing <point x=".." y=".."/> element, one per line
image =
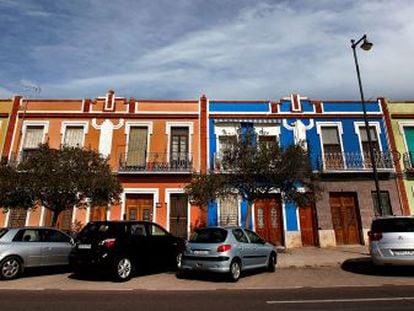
<point x="345" y="114"/>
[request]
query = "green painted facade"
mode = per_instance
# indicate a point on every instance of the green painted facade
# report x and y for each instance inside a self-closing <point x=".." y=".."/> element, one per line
<point x="402" y="122"/>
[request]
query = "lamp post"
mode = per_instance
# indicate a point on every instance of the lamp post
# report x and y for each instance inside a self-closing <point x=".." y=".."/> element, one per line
<point x="366" y="46"/>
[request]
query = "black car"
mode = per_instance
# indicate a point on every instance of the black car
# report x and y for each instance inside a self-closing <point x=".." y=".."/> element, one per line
<point x="122" y="247"/>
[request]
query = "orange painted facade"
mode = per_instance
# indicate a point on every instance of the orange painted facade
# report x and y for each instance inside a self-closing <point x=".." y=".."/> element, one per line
<point x="153" y="147"/>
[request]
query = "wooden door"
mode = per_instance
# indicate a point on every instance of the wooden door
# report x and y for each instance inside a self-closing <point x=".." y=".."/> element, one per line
<point x="139" y="207"/>
<point x="268" y="219"/>
<point x="308" y="227"/>
<point x="17" y="217"/>
<point x="98" y="213"/>
<point x="64" y="221"/>
<point x="229" y="207"/>
<point x="178" y="215"/>
<point x="345" y="218"/>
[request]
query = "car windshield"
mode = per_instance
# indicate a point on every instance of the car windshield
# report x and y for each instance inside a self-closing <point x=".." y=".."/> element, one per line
<point x="209" y="235"/>
<point x="393" y="225"/>
<point x="98" y="231"/>
<point x="3" y="231"/>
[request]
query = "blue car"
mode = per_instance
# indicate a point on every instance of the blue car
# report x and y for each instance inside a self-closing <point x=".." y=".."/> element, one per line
<point x="228" y="250"/>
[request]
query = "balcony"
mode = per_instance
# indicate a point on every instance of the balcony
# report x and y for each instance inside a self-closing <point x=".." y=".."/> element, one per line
<point x="408" y="159"/>
<point x="156" y="163"/>
<point x="348" y="162"/>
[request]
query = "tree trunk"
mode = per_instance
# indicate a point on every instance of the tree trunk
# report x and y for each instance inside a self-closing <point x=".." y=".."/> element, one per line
<point x="248" y="214"/>
<point x="55" y="217"/>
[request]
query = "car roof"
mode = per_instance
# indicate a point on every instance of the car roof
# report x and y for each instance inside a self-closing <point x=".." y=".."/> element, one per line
<point x="121" y="222"/>
<point x="31" y="227"/>
<point x="393" y="217"/>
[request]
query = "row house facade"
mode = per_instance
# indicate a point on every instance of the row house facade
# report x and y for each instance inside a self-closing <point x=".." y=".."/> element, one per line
<point x="6" y="113"/>
<point x="334" y="134"/>
<point x="400" y="123"/>
<point x="155" y="146"/>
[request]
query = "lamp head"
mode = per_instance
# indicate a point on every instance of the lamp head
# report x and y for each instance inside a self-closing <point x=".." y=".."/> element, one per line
<point x="366" y="45"/>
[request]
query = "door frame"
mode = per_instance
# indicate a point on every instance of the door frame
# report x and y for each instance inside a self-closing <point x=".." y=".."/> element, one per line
<point x="168" y="193"/>
<point x="153" y="191"/>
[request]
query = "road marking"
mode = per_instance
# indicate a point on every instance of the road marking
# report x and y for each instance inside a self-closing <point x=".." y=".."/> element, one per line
<point x="338" y="300"/>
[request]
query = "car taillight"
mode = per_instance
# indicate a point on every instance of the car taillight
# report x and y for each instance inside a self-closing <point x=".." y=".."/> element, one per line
<point x="108" y="243"/>
<point x="223" y="248"/>
<point x="375" y="236"/>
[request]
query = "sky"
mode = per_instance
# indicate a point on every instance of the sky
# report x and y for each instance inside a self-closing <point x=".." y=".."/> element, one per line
<point x="226" y="49"/>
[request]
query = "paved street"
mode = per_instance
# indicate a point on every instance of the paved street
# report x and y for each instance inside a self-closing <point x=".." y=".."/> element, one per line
<point x="361" y="299"/>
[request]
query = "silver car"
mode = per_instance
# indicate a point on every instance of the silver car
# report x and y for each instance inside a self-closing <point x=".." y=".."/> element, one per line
<point x="228" y="250"/>
<point x="392" y="240"/>
<point x="32" y="247"/>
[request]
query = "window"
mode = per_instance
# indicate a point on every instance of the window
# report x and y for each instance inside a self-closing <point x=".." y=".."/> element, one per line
<point x="332" y="152"/>
<point x="74" y="136"/>
<point x="365" y="144"/>
<point x="27" y="235"/>
<point x="33" y="138"/>
<point x="157" y="230"/>
<point x="227" y="143"/>
<point x="393" y="225"/>
<point x="50" y="235"/>
<point x="3" y="231"/>
<point x="409" y="138"/>
<point x="209" y="235"/>
<point x="179" y="146"/>
<point x="253" y="237"/>
<point x="138" y="230"/>
<point x="240" y="236"/>
<point x="268" y="141"/>
<point x="386" y="209"/>
<point x="137" y="147"/>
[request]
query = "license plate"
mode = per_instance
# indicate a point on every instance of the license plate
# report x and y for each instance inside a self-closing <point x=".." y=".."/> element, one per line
<point x="199" y="252"/>
<point x="404" y="253"/>
<point x="84" y="246"/>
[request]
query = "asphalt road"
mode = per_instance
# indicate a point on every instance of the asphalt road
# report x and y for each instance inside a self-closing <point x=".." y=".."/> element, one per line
<point x="339" y="298"/>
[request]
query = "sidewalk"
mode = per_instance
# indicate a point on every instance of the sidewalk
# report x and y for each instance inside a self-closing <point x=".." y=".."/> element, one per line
<point x="320" y="257"/>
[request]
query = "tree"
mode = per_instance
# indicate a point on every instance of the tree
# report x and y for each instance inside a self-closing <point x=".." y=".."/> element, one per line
<point x="59" y="179"/>
<point x="253" y="170"/>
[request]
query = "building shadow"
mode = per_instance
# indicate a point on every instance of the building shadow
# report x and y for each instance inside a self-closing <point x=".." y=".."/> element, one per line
<point x="105" y="276"/>
<point x="214" y="277"/>
<point x="44" y="271"/>
<point x="366" y="267"/>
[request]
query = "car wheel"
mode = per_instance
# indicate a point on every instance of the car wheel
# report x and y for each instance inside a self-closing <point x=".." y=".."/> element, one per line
<point x="123" y="269"/>
<point x="235" y="270"/>
<point x="271" y="266"/>
<point x="11" y="268"/>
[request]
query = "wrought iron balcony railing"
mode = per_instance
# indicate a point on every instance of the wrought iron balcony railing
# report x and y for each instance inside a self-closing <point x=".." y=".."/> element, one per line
<point x="155" y="162"/>
<point x="408" y="159"/>
<point x="353" y="161"/>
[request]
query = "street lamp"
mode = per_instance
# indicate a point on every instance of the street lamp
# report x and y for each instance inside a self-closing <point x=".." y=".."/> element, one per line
<point x="366" y="46"/>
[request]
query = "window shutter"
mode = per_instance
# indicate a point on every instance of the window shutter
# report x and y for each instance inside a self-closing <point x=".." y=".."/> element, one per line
<point x="34" y="137"/>
<point x="137" y="146"/>
<point x="73" y="136"/>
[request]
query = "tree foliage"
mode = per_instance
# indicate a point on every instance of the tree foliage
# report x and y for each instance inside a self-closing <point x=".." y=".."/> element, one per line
<point x="59" y="179"/>
<point x="253" y="170"/>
